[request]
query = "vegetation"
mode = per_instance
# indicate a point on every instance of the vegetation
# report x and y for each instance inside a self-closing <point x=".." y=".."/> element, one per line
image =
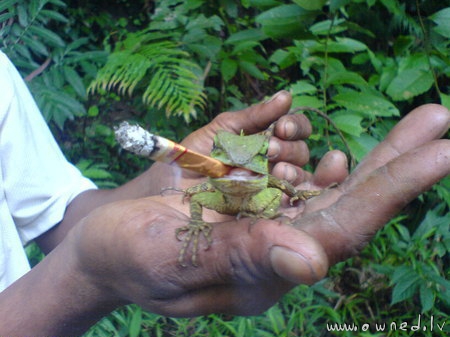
<point x="365" y="63"/>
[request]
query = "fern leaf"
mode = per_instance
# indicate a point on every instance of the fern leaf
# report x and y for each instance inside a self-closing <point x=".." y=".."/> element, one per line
<point x="170" y="79"/>
<point x="5" y="4"/>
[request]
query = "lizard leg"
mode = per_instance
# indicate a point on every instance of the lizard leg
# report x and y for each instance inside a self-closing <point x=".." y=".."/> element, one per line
<point x="193" y="231"/>
<point x="264" y="204"/>
<point x="195" y="228"/>
<point x="200" y="188"/>
<point x="290" y="190"/>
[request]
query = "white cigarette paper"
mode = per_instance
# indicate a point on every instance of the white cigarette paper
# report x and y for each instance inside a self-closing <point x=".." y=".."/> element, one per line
<point x="143" y="143"/>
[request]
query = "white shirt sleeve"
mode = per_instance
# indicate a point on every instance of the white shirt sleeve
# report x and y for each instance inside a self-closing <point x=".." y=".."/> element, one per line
<point x="36" y="181"/>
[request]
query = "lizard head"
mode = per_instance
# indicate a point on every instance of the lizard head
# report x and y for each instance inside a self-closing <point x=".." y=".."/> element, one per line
<point x="248" y="152"/>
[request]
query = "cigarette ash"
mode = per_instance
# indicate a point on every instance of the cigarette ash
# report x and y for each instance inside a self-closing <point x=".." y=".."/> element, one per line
<point x="135" y="139"/>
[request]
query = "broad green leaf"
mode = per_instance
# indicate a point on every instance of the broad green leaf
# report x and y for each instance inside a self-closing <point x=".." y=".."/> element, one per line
<point x="306" y="100"/>
<point x="246" y="35"/>
<point x="366" y="103"/>
<point x="54" y="15"/>
<point x="323" y="27"/>
<point x="349" y="123"/>
<point x="426" y="297"/>
<point x="418" y="61"/>
<point x="263" y="3"/>
<point x="302" y="87"/>
<point x="204" y="22"/>
<point x="410" y="83"/>
<point x="403" y="233"/>
<point x="443" y="30"/>
<point x="78" y="43"/>
<point x="376" y="63"/>
<point x="442" y="16"/>
<point x="47" y="35"/>
<point x="22" y="16"/>
<point x="228" y="69"/>
<point x="244" y="46"/>
<point x="341" y="45"/>
<point x="442" y="19"/>
<point x="337" y="4"/>
<point x="406" y="281"/>
<point x="388" y="73"/>
<point x="285" y="20"/>
<point x="251" y="69"/>
<point x="346" y="77"/>
<point x="35" y="45"/>
<point x="283" y="58"/>
<point x="445" y="100"/>
<point x="96" y="173"/>
<point x="432" y="222"/>
<point x="75" y="81"/>
<point x="346" y="45"/>
<point x="362" y="145"/>
<point x="58" y="3"/>
<point x="311" y="4"/>
<point x="58" y="106"/>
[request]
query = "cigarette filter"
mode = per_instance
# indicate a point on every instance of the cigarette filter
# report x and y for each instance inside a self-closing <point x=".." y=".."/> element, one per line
<point x="143" y="143"/>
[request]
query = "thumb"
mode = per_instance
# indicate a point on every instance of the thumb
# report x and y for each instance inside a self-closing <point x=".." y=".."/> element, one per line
<point x="252" y="119"/>
<point x="257" y="117"/>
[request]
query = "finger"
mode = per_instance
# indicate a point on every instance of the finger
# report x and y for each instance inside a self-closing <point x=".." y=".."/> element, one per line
<point x="293" y="127"/>
<point x="420" y="126"/>
<point x="332" y="168"/>
<point x="296" y="153"/>
<point x="291" y="173"/>
<point x="367" y="206"/>
<point x="255" y="118"/>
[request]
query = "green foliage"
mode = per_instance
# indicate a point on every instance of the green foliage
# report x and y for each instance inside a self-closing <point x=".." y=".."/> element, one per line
<point x="98" y="173"/>
<point x="171" y="80"/>
<point x="365" y="63"/>
<point x="419" y="270"/>
<point x="53" y="67"/>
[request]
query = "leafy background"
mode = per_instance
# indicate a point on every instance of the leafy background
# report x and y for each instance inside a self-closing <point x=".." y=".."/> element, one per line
<point x="173" y="65"/>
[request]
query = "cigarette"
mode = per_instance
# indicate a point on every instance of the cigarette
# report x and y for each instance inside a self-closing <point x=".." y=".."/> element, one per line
<point x="143" y="143"/>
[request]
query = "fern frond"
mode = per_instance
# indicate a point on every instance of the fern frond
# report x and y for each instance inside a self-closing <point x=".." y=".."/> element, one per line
<point x="170" y="80"/>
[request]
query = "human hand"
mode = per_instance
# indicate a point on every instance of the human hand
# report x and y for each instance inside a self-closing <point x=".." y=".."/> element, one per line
<point x="342" y="220"/>
<point x="127" y="252"/>
<point x="409" y="161"/>
<point x="287" y="149"/>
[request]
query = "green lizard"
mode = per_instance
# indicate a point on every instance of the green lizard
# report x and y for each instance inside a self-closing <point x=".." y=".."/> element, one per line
<point x="255" y="195"/>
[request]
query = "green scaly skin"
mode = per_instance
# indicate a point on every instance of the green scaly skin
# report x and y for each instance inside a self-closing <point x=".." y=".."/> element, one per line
<point x="258" y="196"/>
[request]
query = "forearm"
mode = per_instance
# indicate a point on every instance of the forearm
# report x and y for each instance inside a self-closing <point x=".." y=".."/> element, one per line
<point x="53" y="299"/>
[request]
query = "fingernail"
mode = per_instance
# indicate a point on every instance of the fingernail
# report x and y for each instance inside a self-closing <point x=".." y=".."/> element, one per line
<point x="292" y="266"/>
<point x="290" y="174"/>
<point x="274" y="149"/>
<point x="274" y="97"/>
<point x="290" y="129"/>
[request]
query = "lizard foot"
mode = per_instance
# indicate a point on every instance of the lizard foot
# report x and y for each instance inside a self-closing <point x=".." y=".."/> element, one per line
<point x="303" y="195"/>
<point x="192" y="233"/>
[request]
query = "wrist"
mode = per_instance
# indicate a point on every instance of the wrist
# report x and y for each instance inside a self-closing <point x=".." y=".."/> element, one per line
<point x="56" y="298"/>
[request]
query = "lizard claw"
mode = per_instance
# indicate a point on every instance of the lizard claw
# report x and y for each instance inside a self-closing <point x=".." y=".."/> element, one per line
<point x="185" y="193"/>
<point x="193" y="231"/>
<point x="303" y="195"/>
